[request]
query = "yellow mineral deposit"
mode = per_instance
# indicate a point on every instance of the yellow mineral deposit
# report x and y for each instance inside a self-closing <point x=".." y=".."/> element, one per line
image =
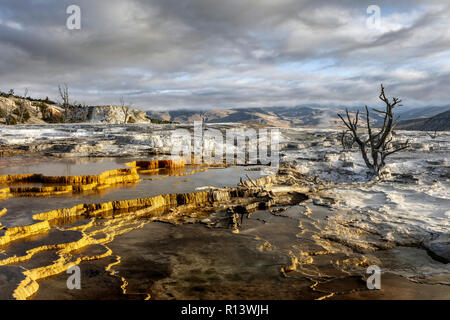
<point x="109" y="267"/>
<point x="266" y="246"/>
<point x="157" y="164"/>
<point x="236" y="220"/>
<point x="2" y="212"/>
<point x="56" y="185"/>
<point x="124" y="285"/>
<point x="110" y="226"/>
<point x="292" y="266"/>
<point x="4" y="193"/>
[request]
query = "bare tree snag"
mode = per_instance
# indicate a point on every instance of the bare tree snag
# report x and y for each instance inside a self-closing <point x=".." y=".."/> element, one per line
<point x="65" y="102"/>
<point x="347" y="140"/>
<point x="376" y="145"/>
<point x="22" y="107"/>
<point x="64" y="95"/>
<point x="125" y="109"/>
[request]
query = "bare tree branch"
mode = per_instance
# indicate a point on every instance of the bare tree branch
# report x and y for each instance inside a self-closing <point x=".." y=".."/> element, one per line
<point x="125" y="109"/>
<point x="64" y="95"/>
<point x="378" y="144"/>
<point x="22" y="106"/>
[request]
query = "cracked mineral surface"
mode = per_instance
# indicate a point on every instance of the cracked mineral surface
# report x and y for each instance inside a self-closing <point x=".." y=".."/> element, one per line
<point x="140" y="225"/>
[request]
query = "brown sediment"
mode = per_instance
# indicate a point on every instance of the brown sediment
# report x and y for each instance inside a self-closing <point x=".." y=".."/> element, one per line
<point x="266" y="246"/>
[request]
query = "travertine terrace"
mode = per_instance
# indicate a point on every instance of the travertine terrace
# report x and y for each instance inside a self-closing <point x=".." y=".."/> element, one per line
<point x="311" y="228"/>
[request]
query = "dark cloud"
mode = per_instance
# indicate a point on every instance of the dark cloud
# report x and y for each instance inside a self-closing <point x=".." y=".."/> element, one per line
<point x="207" y="53"/>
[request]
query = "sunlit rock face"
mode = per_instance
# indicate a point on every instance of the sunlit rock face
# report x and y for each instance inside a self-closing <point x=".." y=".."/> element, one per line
<point x="108" y="114"/>
<point x="42" y="111"/>
<point x="10" y="106"/>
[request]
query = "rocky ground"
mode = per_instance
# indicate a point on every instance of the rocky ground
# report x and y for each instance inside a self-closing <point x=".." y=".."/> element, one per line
<point x="310" y="229"/>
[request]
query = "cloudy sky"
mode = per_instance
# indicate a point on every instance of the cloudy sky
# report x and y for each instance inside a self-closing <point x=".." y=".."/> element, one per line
<point x="168" y="54"/>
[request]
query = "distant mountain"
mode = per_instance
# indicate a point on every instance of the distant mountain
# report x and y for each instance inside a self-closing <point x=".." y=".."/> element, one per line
<point x="439" y="122"/>
<point x="423" y="112"/>
<point x="299" y="116"/>
<point x="275" y="116"/>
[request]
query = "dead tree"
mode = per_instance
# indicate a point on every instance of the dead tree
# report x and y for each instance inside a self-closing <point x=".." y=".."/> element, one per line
<point x="8" y="116"/>
<point x="22" y="106"/>
<point x="375" y="146"/>
<point x="65" y="104"/>
<point x="347" y="139"/>
<point x="125" y="109"/>
<point x="64" y="95"/>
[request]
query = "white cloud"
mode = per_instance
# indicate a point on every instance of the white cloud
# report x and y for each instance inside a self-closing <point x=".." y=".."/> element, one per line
<point x="207" y="53"/>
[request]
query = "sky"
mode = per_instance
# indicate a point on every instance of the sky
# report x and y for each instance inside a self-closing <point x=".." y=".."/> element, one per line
<point x="205" y="54"/>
